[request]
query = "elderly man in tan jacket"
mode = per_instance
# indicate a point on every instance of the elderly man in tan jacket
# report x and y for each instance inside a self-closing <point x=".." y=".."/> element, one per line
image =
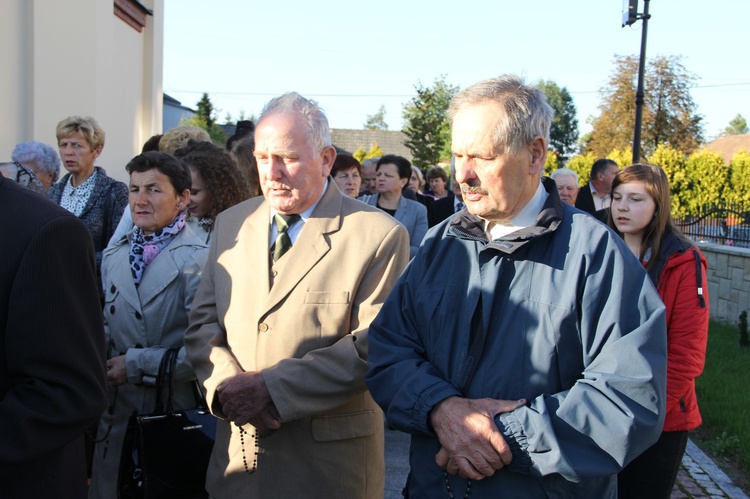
<point x="278" y="332"/>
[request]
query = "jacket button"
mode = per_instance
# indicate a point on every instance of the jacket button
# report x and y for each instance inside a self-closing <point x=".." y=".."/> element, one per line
<point x="138" y="315"/>
<point x="274" y="273"/>
<point x="111" y="309"/>
<point x="112" y="289"/>
<point x="263" y="327"/>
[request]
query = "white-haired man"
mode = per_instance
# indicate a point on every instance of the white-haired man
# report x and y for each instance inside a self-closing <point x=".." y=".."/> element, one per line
<point x="278" y="332"/>
<point x="567" y="185"/>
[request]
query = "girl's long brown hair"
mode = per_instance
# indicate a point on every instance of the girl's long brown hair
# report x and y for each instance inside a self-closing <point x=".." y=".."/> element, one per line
<point x="657" y="187"/>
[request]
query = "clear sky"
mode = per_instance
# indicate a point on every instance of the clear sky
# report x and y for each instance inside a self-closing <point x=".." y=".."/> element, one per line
<point x="352" y="57"/>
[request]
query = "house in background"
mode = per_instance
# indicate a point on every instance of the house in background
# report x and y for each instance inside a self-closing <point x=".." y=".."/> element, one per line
<point x="174" y="113"/>
<point x="348" y="141"/>
<point x="729" y="146"/>
<point x="101" y="58"/>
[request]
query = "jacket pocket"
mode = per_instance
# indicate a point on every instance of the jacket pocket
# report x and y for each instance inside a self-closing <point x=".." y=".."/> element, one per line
<point x="343" y="426"/>
<point x="327" y="297"/>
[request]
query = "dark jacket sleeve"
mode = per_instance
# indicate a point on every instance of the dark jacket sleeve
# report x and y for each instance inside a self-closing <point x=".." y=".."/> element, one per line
<point x="53" y="344"/>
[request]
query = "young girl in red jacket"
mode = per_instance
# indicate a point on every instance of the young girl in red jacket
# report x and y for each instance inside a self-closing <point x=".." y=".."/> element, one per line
<point x="640" y="214"/>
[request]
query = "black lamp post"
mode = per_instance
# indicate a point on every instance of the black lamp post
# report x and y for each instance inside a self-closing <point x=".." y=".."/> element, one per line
<point x="629" y="18"/>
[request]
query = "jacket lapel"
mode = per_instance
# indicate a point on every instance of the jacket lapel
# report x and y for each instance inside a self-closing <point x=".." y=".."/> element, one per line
<point x="100" y="183"/>
<point x="120" y="276"/>
<point x="163" y="270"/>
<point x="254" y="236"/>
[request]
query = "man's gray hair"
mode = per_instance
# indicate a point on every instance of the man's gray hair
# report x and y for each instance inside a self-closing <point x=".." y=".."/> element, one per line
<point x="318" y="131"/>
<point x="561" y="172"/>
<point x="527" y="114"/>
<point x="43" y="156"/>
<point x="370" y="162"/>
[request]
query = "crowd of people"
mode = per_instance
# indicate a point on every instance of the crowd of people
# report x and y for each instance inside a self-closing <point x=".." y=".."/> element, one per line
<point x="535" y="337"/>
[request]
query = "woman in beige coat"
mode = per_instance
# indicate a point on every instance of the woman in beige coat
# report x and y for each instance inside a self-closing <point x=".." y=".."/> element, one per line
<point x="149" y="279"/>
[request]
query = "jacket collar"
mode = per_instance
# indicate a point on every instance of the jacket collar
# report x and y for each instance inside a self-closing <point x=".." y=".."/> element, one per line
<point x="100" y="184"/>
<point x="468" y="226"/>
<point x="670" y="246"/>
<point x="159" y="274"/>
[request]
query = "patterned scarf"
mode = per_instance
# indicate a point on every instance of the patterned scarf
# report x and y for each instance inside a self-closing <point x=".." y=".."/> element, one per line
<point x="145" y="248"/>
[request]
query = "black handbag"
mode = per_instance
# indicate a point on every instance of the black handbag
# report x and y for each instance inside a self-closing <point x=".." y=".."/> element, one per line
<point x="165" y="454"/>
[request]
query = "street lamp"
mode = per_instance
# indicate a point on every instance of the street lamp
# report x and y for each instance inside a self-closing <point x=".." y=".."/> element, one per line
<point x="629" y="16"/>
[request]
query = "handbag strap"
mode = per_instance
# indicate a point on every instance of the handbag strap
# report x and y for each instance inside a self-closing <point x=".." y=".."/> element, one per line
<point x="166" y="374"/>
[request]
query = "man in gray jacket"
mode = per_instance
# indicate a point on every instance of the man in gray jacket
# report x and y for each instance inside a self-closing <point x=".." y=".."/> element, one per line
<point x="536" y="366"/>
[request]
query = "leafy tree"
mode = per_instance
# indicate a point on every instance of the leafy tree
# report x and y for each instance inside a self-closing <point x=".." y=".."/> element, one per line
<point x="739" y="176"/>
<point x="707" y="178"/>
<point x="671" y="116"/>
<point x="206" y="110"/>
<point x="360" y="154"/>
<point x="228" y="120"/>
<point x="564" y="129"/>
<point x="426" y="124"/>
<point x="376" y="121"/>
<point x="669" y="112"/>
<point x="673" y="164"/>
<point x="551" y="163"/>
<point x="582" y="164"/>
<point x="623" y="157"/>
<point x="738" y="126"/>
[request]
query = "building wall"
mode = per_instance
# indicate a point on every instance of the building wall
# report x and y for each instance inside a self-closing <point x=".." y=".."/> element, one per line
<point x="75" y="57"/>
<point x="728" y="281"/>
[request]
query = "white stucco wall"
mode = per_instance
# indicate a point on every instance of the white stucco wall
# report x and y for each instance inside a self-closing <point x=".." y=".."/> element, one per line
<point x="76" y="57"/>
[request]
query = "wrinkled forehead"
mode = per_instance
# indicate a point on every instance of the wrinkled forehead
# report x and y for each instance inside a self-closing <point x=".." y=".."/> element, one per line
<point x="473" y="128"/>
<point x="74" y="136"/>
<point x="566" y="181"/>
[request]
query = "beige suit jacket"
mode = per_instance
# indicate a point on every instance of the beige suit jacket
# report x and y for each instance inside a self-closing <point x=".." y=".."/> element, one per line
<point x="303" y="323"/>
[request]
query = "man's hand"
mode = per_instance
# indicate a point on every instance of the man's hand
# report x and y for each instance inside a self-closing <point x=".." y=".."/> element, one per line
<point x="472" y="446"/>
<point x="116" y="373"/>
<point x="245" y="399"/>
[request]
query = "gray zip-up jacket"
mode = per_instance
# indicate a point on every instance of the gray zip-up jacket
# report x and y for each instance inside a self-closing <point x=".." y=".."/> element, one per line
<point x="571" y="323"/>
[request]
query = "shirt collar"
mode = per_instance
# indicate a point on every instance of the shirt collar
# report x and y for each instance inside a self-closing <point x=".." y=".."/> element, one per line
<point x="525" y="218"/>
<point x="308" y="212"/>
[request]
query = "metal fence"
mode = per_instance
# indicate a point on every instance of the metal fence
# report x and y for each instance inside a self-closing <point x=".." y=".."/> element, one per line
<point x="723" y="223"/>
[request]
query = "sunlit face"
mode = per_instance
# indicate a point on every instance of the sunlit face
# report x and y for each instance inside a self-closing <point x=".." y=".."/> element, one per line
<point x="567" y="188"/>
<point x="414" y="181"/>
<point x="456" y="187"/>
<point x="292" y="174"/>
<point x="154" y="203"/>
<point x="349" y="181"/>
<point x="632" y="208"/>
<point x="369" y="178"/>
<point x="388" y="179"/>
<point x="496" y="186"/>
<point x="437" y="186"/>
<point x="76" y="154"/>
<point x="200" y="199"/>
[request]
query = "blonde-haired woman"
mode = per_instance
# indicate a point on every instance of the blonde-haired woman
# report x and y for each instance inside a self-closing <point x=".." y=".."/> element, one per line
<point x="86" y="190"/>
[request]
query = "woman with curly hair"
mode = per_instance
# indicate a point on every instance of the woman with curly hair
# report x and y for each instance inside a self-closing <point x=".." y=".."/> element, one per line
<point x="217" y="184"/>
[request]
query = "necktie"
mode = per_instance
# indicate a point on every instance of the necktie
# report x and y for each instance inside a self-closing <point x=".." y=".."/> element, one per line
<point x="283" y="241"/>
<point x="459" y="206"/>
